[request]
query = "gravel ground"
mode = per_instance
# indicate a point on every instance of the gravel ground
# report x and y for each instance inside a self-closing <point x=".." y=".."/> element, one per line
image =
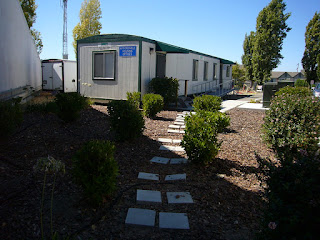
<point x="227" y="195"/>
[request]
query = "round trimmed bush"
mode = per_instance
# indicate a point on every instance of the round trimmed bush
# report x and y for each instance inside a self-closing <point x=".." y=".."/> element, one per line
<point x="207" y="103"/>
<point x="152" y="104"/>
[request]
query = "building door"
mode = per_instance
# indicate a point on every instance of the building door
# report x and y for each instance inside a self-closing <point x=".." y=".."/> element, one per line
<point x="57" y="76"/>
<point x="47" y="76"/>
<point x="161" y="65"/>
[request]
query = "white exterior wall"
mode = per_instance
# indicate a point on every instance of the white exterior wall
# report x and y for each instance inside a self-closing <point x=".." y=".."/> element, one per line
<point x="226" y="80"/>
<point x="20" y="64"/>
<point x="126" y="72"/>
<point x="70" y="76"/>
<point x="148" y="65"/>
<point x="180" y="66"/>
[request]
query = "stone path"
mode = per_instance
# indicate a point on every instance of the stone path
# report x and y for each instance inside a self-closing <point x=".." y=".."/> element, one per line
<point x="167" y="220"/>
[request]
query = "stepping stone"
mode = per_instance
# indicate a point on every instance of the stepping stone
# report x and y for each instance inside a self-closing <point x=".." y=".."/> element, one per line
<point x="178" y="123"/>
<point x="165" y="140"/>
<point x="138" y="216"/>
<point x="173" y="220"/>
<point x="180" y="120"/>
<point x="176" y="177"/>
<point x="179" y="197"/>
<point x="174" y="126"/>
<point x="181" y="131"/>
<point x="148" y="196"/>
<point x="161" y="160"/>
<point x="176" y="141"/>
<point x="148" y="176"/>
<point x="171" y="148"/>
<point x="178" y="160"/>
<point x="181" y="114"/>
<point x="183" y="126"/>
<point x="173" y="131"/>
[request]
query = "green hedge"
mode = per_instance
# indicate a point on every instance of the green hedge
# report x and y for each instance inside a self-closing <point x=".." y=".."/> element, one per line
<point x="152" y="104"/>
<point x="166" y="87"/>
<point x="207" y="103"/>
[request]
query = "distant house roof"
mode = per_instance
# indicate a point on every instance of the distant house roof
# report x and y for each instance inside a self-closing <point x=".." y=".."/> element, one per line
<point x="275" y="74"/>
<point x="160" y="46"/>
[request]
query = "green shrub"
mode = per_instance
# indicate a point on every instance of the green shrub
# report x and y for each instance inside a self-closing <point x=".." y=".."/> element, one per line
<point x="70" y="105"/>
<point x="293" y="193"/>
<point x="294" y="91"/>
<point x="200" y="139"/>
<point x="125" y="120"/>
<point x="301" y="83"/>
<point x="166" y="87"/>
<point x="10" y="116"/>
<point x="96" y="170"/>
<point x="217" y="119"/>
<point x="293" y="123"/>
<point x="134" y="98"/>
<point x="152" y="104"/>
<point x="207" y="103"/>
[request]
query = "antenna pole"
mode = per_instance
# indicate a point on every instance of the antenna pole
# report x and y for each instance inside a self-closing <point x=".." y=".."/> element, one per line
<point x="65" y="31"/>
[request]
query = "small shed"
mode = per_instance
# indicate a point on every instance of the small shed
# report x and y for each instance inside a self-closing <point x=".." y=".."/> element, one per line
<point x="59" y="74"/>
<point x="110" y="65"/>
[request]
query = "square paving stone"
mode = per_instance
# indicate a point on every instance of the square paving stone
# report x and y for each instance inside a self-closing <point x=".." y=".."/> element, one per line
<point x="144" y="217"/>
<point x="174" y="126"/>
<point x="176" y="141"/>
<point x="171" y="148"/>
<point x="148" y="176"/>
<point x="179" y="120"/>
<point x="165" y="140"/>
<point x="173" y="220"/>
<point x="161" y="160"/>
<point x="178" y="160"/>
<point x="176" y="177"/>
<point x="173" y="131"/>
<point x="179" y="123"/>
<point x="181" y="131"/>
<point x="179" y="197"/>
<point x="148" y="196"/>
<point x="183" y="126"/>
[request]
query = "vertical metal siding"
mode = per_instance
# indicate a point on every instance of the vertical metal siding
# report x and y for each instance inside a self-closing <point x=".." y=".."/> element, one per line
<point x="148" y="65"/>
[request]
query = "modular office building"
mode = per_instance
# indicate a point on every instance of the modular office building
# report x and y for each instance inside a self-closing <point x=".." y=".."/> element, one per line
<point x="111" y="65"/>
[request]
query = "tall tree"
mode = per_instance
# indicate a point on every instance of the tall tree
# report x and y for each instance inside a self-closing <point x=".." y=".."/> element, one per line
<point x="247" y="56"/>
<point x="311" y="54"/>
<point x="89" y="25"/>
<point x="271" y="29"/>
<point x="29" y="8"/>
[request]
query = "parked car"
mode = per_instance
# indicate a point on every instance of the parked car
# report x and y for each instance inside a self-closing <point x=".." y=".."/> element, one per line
<point x="316" y="90"/>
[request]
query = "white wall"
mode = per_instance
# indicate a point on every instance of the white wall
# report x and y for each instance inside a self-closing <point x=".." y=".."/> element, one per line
<point x="126" y="72"/>
<point x="180" y="66"/>
<point x="148" y="65"/>
<point x="19" y="61"/>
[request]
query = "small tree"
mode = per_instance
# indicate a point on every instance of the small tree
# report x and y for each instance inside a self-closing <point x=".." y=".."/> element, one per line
<point x="247" y="56"/>
<point x="238" y="74"/>
<point x="311" y="56"/>
<point x="89" y="25"/>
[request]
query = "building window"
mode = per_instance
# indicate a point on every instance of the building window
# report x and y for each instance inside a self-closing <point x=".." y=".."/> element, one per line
<point x="195" y="70"/>
<point x="104" y="65"/>
<point x="205" y="71"/>
<point x="214" y="71"/>
<point x="228" y="71"/>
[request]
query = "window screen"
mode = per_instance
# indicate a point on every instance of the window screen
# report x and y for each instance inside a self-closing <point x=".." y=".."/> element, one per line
<point x="104" y="65"/>
<point x="195" y="70"/>
<point x="205" y="71"/>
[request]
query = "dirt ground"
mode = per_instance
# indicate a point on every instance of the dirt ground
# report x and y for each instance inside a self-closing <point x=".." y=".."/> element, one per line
<point x="227" y="194"/>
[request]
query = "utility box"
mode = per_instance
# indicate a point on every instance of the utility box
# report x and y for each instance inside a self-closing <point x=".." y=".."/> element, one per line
<point x="269" y="89"/>
<point x="59" y="75"/>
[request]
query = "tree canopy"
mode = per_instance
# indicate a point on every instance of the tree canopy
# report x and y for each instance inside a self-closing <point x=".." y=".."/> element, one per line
<point x="311" y="56"/>
<point x="262" y="48"/>
<point x="89" y="25"/>
<point x="29" y="8"/>
<point x="238" y="74"/>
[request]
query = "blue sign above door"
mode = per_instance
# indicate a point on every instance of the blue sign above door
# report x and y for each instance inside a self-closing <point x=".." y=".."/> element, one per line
<point x="127" y="51"/>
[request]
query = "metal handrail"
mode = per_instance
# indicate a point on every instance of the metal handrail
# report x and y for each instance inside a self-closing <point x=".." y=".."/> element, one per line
<point x="217" y="89"/>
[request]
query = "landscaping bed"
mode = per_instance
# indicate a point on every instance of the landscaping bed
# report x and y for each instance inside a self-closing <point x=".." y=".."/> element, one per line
<point x="227" y="194"/>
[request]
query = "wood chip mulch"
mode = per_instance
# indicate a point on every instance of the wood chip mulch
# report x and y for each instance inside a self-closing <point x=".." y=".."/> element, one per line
<point x="227" y="194"/>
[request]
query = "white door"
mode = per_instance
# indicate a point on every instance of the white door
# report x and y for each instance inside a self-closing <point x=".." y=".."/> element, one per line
<point x="47" y="76"/>
<point x="57" y="76"/>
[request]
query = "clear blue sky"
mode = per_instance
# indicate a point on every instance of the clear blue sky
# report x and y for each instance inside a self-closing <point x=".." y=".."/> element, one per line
<point x="213" y="27"/>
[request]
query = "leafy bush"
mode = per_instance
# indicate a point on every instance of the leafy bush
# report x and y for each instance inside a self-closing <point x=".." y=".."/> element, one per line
<point x="293" y="193"/>
<point x="152" y="104"/>
<point x="10" y="116"/>
<point x="293" y="123"/>
<point x="134" y="98"/>
<point x="207" y="103"/>
<point x="217" y="119"/>
<point x="166" y="87"/>
<point x="294" y="91"/>
<point x="96" y="170"/>
<point x="70" y="105"/>
<point x="200" y="139"/>
<point x="125" y="119"/>
<point x="301" y="83"/>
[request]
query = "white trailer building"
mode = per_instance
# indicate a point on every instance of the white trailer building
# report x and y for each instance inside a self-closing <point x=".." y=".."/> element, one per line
<point x="59" y="74"/>
<point x="20" y="65"/>
<point x="111" y="65"/>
